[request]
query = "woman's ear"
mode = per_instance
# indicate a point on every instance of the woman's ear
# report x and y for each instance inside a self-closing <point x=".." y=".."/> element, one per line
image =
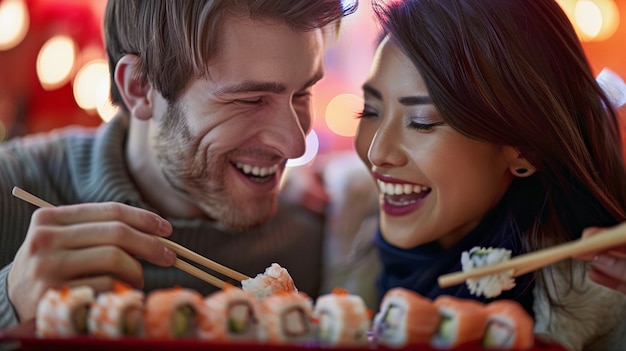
<point x="137" y="96"/>
<point x="518" y="165"/>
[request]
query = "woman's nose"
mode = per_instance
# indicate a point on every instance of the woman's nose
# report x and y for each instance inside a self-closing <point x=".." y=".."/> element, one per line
<point x="385" y="149"/>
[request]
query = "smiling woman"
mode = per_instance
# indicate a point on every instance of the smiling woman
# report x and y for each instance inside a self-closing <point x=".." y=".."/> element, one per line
<point x="509" y="143"/>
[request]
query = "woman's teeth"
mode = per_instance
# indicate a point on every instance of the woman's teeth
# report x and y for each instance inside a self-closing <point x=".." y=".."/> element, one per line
<point x="401" y="189"/>
<point x="256" y="170"/>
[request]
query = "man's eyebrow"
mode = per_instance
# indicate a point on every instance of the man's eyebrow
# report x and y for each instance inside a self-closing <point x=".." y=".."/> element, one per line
<point x="406" y="100"/>
<point x="269" y="87"/>
<point x="251" y="87"/>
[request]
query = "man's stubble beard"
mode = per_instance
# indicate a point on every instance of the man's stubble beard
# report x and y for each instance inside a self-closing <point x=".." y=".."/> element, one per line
<point x="204" y="185"/>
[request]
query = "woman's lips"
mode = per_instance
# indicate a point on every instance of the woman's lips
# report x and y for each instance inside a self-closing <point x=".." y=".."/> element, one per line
<point x="400" y="198"/>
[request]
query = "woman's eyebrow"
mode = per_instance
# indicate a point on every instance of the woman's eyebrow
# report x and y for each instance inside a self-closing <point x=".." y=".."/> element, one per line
<point x="368" y="89"/>
<point x="415" y="100"/>
<point x="406" y="100"/>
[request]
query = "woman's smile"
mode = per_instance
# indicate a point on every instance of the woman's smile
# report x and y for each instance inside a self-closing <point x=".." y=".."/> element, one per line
<point x="400" y="198"/>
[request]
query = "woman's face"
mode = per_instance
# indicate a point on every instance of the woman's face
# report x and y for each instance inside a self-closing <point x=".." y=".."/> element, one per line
<point x="435" y="183"/>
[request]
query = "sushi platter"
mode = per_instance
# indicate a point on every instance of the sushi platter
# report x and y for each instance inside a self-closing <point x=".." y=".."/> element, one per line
<point x="268" y="313"/>
<point x="82" y="344"/>
<point x="28" y="337"/>
<point x="22" y="338"/>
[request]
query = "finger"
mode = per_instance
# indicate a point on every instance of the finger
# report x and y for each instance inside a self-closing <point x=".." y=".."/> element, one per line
<point x="71" y="265"/>
<point x="609" y="271"/>
<point x="589" y="232"/>
<point x="602" y="279"/>
<point x="99" y="284"/>
<point x="140" y="219"/>
<point x="81" y="236"/>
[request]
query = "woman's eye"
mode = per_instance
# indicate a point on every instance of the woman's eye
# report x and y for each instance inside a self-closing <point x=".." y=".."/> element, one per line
<point x="424" y="126"/>
<point x="366" y="113"/>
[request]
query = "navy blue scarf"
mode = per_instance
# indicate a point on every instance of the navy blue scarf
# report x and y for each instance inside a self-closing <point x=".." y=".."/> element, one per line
<point x="418" y="268"/>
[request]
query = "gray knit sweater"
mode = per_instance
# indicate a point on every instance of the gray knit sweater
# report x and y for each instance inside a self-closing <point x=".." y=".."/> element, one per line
<point x="78" y="165"/>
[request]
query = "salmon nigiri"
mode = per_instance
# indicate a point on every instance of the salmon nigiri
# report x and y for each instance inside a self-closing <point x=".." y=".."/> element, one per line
<point x="173" y="313"/>
<point x="462" y="321"/>
<point x="405" y="318"/>
<point x="343" y="318"/>
<point x="508" y="327"/>
<point x="117" y="313"/>
<point x="63" y="312"/>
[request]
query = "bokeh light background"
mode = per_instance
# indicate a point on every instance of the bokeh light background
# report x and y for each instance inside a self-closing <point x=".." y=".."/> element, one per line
<point x="53" y="71"/>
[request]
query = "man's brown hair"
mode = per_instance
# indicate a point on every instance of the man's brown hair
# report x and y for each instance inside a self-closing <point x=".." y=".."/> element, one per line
<point x="175" y="39"/>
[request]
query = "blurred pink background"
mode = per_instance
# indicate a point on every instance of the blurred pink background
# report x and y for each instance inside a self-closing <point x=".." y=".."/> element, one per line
<point x="30" y="102"/>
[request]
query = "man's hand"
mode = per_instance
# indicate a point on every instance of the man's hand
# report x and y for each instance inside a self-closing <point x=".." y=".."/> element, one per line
<point x="86" y="244"/>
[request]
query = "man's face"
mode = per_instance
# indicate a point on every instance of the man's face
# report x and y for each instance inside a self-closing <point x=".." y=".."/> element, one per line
<point x="225" y="141"/>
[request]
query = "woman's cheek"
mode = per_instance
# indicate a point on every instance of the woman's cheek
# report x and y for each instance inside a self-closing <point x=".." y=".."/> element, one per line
<point x="363" y="140"/>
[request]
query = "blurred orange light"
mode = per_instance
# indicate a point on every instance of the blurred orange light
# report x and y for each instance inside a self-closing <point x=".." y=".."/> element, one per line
<point x="14" y="22"/>
<point x="341" y="112"/>
<point x="55" y="62"/>
<point x="594" y="20"/>
<point x="3" y="131"/>
<point x="91" y="80"/>
<point x="104" y="106"/>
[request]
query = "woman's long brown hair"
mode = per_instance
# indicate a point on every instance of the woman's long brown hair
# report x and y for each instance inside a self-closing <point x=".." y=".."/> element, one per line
<point x="514" y="73"/>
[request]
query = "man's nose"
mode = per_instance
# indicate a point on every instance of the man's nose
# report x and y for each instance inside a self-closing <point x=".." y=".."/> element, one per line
<point x="286" y="131"/>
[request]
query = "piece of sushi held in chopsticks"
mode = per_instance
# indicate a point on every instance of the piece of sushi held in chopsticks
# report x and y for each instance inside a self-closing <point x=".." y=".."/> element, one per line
<point x="172" y="313"/>
<point x="490" y="285"/>
<point x="509" y="326"/>
<point x="231" y="315"/>
<point x="343" y="319"/>
<point x="117" y="313"/>
<point x="405" y="318"/>
<point x="288" y="318"/>
<point x="462" y="321"/>
<point x="275" y="279"/>
<point x="63" y="312"/>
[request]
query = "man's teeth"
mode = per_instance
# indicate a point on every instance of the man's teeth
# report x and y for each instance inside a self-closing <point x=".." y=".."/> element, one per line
<point x="256" y="170"/>
<point x="400" y="189"/>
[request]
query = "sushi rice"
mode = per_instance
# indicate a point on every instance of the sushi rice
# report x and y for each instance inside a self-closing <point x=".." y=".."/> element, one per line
<point x="491" y="285"/>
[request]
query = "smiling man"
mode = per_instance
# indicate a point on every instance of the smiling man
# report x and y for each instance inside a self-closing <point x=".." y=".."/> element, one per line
<point x="214" y="97"/>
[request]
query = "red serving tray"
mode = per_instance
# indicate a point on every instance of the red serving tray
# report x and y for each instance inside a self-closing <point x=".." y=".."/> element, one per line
<point x="22" y="338"/>
<point x="83" y="344"/>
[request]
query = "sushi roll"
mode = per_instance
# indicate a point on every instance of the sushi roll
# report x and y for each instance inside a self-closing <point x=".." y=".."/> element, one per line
<point x="118" y="313"/>
<point x="288" y="318"/>
<point x="275" y="279"/>
<point x="492" y="285"/>
<point x="172" y="313"/>
<point x="343" y="319"/>
<point x="231" y="314"/>
<point x="462" y="321"/>
<point x="509" y="326"/>
<point x="63" y="312"/>
<point x="405" y="318"/>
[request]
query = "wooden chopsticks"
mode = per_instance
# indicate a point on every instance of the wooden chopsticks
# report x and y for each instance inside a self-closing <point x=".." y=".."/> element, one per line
<point x="532" y="261"/>
<point x="179" y="249"/>
<point x="197" y="258"/>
